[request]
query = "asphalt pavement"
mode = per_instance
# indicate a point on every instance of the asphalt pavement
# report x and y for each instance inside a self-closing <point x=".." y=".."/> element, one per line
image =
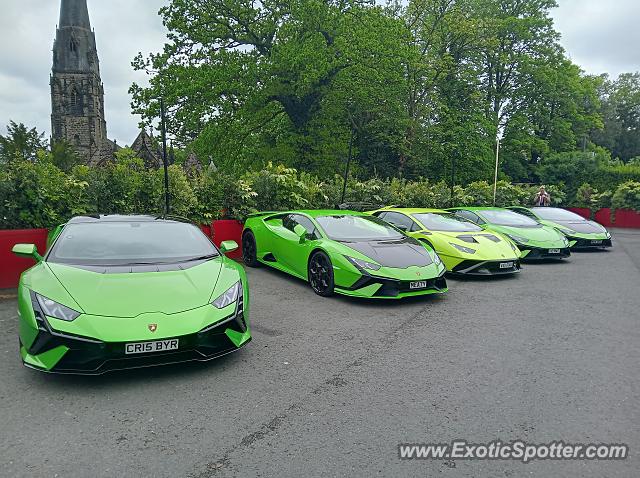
<point x="330" y="387"/>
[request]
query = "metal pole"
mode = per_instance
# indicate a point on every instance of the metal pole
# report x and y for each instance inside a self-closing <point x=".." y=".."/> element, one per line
<point x="453" y="178"/>
<point x="163" y="127"/>
<point x="495" y="178"/>
<point x="346" y="170"/>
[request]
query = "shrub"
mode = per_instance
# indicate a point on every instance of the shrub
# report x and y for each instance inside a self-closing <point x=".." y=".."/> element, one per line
<point x="627" y="196"/>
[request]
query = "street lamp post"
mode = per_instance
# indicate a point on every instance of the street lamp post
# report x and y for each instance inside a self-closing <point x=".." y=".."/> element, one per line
<point x="163" y="128"/>
<point x="346" y="170"/>
<point x="495" y="178"/>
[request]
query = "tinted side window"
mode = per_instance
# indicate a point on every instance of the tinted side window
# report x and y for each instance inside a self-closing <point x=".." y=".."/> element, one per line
<point x="470" y="216"/>
<point x="312" y="231"/>
<point x="399" y="220"/>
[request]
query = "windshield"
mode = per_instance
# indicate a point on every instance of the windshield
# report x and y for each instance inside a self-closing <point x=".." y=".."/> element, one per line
<point x="504" y="217"/>
<point x="556" y="214"/>
<point x="357" y="228"/>
<point x="130" y="243"/>
<point x="446" y="222"/>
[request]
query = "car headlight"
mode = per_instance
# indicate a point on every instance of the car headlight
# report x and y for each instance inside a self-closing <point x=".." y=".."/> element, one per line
<point x="363" y="264"/>
<point x="229" y="296"/>
<point x="51" y="308"/>
<point x="608" y="235"/>
<point x="518" y="239"/>
<point x="436" y="259"/>
<point x="466" y="250"/>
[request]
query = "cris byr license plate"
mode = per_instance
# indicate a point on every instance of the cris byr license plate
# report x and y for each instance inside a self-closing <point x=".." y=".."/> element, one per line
<point x="421" y="284"/>
<point x="596" y="241"/>
<point x="554" y="251"/>
<point x="506" y="265"/>
<point x="148" y="347"/>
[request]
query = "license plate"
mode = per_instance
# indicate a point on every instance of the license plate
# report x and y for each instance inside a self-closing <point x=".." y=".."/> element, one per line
<point x="506" y="265"/>
<point x="421" y="284"/>
<point x="595" y="241"/>
<point x="149" y="347"/>
<point x="554" y="251"/>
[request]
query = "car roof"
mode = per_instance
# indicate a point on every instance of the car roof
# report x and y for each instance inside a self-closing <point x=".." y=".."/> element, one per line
<point x="104" y="218"/>
<point x="415" y="210"/>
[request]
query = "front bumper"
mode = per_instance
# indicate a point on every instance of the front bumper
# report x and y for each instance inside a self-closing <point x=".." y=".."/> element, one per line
<point x="589" y="243"/>
<point x="60" y="352"/>
<point x="530" y="253"/>
<point x="374" y="287"/>
<point x="487" y="268"/>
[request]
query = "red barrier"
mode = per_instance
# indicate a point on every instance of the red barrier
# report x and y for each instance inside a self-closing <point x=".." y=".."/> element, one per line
<point x="228" y="230"/>
<point x="627" y="218"/>
<point x="603" y="216"/>
<point x="12" y="266"/>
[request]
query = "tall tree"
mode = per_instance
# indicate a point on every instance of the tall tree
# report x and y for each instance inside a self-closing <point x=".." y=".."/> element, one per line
<point x="621" y="113"/>
<point x="20" y="143"/>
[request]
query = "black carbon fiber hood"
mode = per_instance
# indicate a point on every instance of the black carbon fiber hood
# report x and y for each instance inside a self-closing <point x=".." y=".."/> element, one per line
<point x="399" y="253"/>
<point x="585" y="227"/>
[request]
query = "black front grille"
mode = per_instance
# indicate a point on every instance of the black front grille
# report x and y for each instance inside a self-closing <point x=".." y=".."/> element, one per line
<point x="470" y="267"/>
<point x="393" y="288"/>
<point x="537" y="253"/>
<point x="587" y="244"/>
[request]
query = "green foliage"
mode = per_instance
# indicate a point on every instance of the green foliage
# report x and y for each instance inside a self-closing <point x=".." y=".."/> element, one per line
<point x="627" y="196"/>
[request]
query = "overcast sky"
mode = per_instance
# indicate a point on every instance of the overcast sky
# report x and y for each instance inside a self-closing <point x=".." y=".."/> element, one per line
<point x="599" y="35"/>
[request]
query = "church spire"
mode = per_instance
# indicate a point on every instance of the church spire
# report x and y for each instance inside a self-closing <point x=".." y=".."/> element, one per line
<point x="74" y="13"/>
<point x="75" y="47"/>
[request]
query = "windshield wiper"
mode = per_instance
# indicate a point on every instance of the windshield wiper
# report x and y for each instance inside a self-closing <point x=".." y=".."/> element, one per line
<point x="200" y="258"/>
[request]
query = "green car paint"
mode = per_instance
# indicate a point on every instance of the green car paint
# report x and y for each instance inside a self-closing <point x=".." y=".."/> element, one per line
<point x="116" y="301"/>
<point x="535" y="241"/>
<point x="464" y="247"/>
<point x="377" y="262"/>
<point x="581" y="233"/>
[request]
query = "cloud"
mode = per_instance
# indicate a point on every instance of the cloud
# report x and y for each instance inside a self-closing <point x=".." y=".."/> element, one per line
<point x="600" y="36"/>
<point x="27" y="30"/>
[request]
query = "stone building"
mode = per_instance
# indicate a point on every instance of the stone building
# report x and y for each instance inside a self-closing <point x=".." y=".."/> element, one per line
<point x="77" y="92"/>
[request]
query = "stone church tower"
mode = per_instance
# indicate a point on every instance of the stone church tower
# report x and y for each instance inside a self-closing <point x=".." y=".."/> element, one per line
<point x="77" y="93"/>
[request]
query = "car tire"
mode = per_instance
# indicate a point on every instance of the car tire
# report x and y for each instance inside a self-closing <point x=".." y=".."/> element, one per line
<point x="320" y="274"/>
<point x="250" y="250"/>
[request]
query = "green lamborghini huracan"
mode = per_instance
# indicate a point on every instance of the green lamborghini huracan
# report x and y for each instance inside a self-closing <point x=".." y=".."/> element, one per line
<point x="344" y="252"/>
<point x="535" y="240"/>
<point x="582" y="233"/>
<point x="464" y="247"/>
<point x="117" y="292"/>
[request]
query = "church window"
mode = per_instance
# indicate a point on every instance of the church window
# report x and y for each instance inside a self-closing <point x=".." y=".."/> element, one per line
<point x="76" y="139"/>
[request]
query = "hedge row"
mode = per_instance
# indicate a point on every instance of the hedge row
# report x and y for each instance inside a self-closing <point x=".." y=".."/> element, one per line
<point x="38" y="194"/>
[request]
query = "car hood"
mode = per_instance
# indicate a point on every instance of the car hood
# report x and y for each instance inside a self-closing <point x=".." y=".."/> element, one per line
<point x="537" y="234"/>
<point x="133" y="293"/>
<point x="397" y="253"/>
<point x="583" y="227"/>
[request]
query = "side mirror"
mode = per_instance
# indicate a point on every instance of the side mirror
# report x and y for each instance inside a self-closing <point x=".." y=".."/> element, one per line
<point x="402" y="227"/>
<point x="301" y="232"/>
<point x="228" y="246"/>
<point x="27" y="250"/>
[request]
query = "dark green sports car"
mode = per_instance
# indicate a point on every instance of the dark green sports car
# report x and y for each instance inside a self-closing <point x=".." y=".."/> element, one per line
<point x="582" y="233"/>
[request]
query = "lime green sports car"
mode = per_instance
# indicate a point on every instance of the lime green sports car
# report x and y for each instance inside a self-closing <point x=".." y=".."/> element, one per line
<point x="535" y="240"/>
<point x="117" y="292"/>
<point x="582" y="233"/>
<point x="464" y="247"/>
<point x="344" y="252"/>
